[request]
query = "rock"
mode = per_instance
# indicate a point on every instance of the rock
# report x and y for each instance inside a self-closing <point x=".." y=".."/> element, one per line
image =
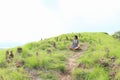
<point x="11" y="55"/>
<point x="115" y="67"/>
<point x="103" y="62"/>
<point x="81" y="66"/>
<point x="19" y="63"/>
<point x="112" y="74"/>
<point x="37" y="54"/>
<point x="113" y="59"/>
<point x="8" y="60"/>
<point x="48" y="51"/>
<point x="19" y="50"/>
<point x="54" y="44"/>
<point x="7" y="54"/>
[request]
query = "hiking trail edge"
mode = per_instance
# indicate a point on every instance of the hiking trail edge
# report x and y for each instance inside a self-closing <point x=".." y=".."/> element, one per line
<point x="71" y="63"/>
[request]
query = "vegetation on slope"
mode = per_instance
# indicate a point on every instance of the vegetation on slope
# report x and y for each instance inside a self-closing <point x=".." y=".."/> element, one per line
<point x="46" y="57"/>
<point x="101" y="61"/>
<point x="116" y="35"/>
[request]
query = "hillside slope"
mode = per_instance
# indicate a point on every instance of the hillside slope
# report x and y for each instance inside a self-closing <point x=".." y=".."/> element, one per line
<point x="71" y="64"/>
<point x="46" y="59"/>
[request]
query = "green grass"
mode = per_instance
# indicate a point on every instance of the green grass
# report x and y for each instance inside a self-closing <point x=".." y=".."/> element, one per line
<point x="12" y="74"/>
<point x="53" y="54"/>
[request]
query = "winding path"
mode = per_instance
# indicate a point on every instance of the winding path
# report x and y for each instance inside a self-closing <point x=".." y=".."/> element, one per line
<point x="71" y="63"/>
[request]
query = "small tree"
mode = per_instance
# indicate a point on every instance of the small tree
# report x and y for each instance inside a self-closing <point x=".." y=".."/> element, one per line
<point x="116" y="35"/>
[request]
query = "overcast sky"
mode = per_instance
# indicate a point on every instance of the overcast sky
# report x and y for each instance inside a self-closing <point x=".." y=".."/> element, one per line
<point x="30" y="20"/>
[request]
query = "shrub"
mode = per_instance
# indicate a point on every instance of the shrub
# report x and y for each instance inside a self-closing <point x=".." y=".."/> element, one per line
<point x="32" y="62"/>
<point x="116" y="35"/>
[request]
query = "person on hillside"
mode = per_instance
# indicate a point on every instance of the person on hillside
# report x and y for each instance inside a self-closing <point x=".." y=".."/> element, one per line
<point x="75" y="44"/>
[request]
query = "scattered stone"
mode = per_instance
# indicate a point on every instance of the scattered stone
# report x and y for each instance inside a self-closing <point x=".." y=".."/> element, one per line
<point x="19" y="50"/>
<point x="37" y="54"/>
<point x="115" y="67"/>
<point x="112" y="74"/>
<point x="103" y="62"/>
<point x="19" y="63"/>
<point x="81" y="66"/>
<point x="49" y="51"/>
<point x="33" y="75"/>
<point x="26" y="70"/>
<point x="8" y="60"/>
<point x="7" y="54"/>
<point x="11" y="55"/>
<point x="54" y="44"/>
<point x="113" y="59"/>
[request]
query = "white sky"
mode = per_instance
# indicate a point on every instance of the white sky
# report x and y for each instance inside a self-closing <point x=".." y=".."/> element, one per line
<point x="30" y="20"/>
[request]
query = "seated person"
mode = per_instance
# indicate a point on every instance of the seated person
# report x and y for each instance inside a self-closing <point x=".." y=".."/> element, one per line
<point x="75" y="44"/>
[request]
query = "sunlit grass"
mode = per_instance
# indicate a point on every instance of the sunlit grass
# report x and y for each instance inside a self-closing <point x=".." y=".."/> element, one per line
<point x="53" y="54"/>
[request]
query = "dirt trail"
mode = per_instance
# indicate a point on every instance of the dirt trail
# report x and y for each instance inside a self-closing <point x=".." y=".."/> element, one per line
<point x="71" y="62"/>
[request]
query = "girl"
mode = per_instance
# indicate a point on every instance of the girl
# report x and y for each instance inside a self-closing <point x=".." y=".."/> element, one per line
<point x="75" y="43"/>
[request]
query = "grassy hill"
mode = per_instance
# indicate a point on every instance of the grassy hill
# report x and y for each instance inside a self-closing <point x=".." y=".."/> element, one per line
<point x="47" y="59"/>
